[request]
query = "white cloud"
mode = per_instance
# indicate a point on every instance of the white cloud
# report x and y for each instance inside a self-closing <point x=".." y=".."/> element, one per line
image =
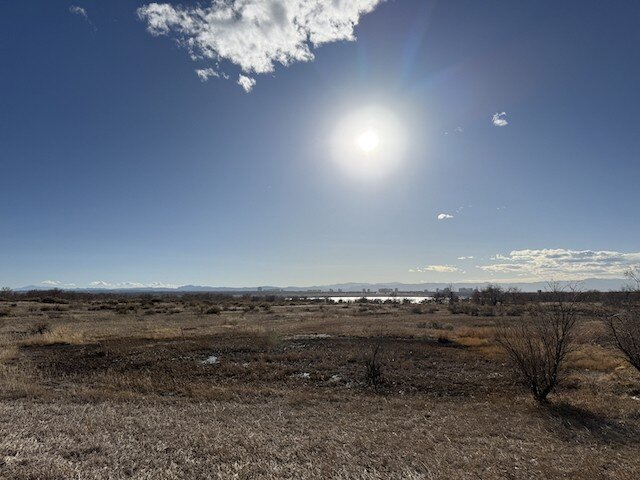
<point x="256" y="35"/>
<point x="444" y="216"/>
<point x="500" y="119"/>
<point x="246" y="82"/>
<point x="563" y="264"/>
<point x="205" y="74"/>
<point x="120" y="285"/>
<point x="471" y="257"/>
<point x="436" y="268"/>
<point x="57" y="284"/>
<point x="81" y="12"/>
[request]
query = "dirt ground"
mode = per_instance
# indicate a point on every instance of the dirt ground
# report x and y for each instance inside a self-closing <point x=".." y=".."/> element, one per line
<point x="93" y="390"/>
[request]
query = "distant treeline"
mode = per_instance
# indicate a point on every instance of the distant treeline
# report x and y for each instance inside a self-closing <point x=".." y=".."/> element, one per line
<point x="491" y="295"/>
<point x="53" y="295"/>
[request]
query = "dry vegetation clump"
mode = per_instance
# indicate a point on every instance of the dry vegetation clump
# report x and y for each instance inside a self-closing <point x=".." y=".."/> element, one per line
<point x="59" y="335"/>
<point x="594" y="358"/>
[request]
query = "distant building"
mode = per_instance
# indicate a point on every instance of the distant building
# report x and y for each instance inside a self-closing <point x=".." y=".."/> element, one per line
<point x="385" y="291"/>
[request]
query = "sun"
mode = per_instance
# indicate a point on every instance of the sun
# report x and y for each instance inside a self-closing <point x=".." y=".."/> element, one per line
<point x="368" y="141"/>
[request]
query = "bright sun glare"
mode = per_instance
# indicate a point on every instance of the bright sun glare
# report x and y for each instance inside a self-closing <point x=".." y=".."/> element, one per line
<point x="368" y="141"/>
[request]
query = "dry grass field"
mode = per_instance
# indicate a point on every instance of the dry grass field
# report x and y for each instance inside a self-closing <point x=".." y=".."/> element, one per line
<point x="170" y="388"/>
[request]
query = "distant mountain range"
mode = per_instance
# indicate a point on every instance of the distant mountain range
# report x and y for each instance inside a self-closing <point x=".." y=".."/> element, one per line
<point x="352" y="287"/>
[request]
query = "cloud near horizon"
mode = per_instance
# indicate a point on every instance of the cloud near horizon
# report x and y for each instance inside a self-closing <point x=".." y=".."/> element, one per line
<point x="57" y="284"/>
<point x="563" y="264"/>
<point x="436" y="269"/>
<point x="444" y="216"/>
<point x="255" y="35"/>
<point x="120" y="285"/>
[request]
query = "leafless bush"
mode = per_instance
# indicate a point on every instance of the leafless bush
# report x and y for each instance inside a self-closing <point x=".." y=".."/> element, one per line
<point x="6" y="294"/>
<point x="633" y="274"/>
<point x="40" y="328"/>
<point x="625" y="328"/>
<point x="538" y="345"/>
<point x="373" y="368"/>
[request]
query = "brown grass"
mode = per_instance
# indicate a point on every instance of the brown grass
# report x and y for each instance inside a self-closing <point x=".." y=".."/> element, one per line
<point x="595" y="358"/>
<point x="112" y="395"/>
<point x="60" y="335"/>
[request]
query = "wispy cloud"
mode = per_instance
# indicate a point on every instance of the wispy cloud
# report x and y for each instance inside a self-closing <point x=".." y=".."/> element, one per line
<point x="57" y="284"/>
<point x="436" y="269"/>
<point x="500" y="119"/>
<point x="205" y="74"/>
<point x="444" y="216"/>
<point x="563" y="264"/>
<point x="255" y="35"/>
<point x="81" y="12"/>
<point x="246" y="82"/>
<point x="121" y="285"/>
<point x="470" y="257"/>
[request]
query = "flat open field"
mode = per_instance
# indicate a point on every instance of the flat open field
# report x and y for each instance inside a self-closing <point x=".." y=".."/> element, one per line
<point x="171" y="388"/>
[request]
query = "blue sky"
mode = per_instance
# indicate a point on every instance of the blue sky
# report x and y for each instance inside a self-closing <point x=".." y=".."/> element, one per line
<point x="120" y="165"/>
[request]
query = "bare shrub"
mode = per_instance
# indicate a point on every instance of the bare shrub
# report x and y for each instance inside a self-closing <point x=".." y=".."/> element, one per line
<point x="538" y="345"/>
<point x="625" y="328"/>
<point x="6" y="293"/>
<point x="465" y="308"/>
<point x="40" y="328"/>
<point x="373" y="368"/>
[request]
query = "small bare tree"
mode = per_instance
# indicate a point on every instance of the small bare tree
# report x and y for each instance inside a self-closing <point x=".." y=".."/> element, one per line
<point x="537" y="346"/>
<point x="633" y="274"/>
<point x="625" y="328"/>
<point x="625" y="325"/>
